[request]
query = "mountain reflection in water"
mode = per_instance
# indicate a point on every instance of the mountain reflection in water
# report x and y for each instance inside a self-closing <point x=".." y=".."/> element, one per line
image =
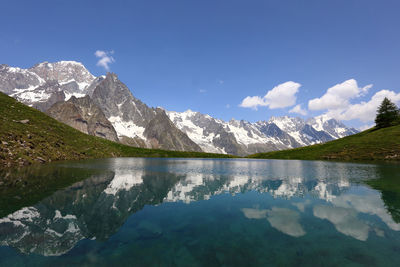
<point x="295" y="192"/>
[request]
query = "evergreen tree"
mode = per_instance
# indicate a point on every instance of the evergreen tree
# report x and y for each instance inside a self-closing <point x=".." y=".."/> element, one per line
<point x="387" y="114"/>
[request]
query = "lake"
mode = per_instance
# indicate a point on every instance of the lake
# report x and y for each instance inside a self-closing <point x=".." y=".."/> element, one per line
<point x="193" y="212"/>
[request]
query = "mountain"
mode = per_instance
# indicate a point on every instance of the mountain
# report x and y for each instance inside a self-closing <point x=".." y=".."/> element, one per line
<point x="136" y="124"/>
<point x="46" y="83"/>
<point x="244" y="138"/>
<point x="84" y="115"/>
<point x="334" y="128"/>
<point x="372" y="144"/>
<point x="301" y="131"/>
<point x="133" y="119"/>
<point x="233" y="137"/>
<point x="28" y="135"/>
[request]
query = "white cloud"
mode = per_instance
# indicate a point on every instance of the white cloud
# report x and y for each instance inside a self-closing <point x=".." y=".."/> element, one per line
<point x="202" y="91"/>
<point x="227" y="106"/>
<point x="336" y="102"/>
<point x="364" y="111"/>
<point x="252" y="102"/>
<point x="338" y="96"/>
<point x="297" y="109"/>
<point x="221" y="81"/>
<point x="105" y="59"/>
<point x="281" y="96"/>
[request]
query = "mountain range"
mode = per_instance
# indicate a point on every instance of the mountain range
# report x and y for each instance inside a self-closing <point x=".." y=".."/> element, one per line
<point x="104" y="106"/>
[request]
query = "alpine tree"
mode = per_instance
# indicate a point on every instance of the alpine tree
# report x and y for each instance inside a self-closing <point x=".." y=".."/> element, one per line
<point x="387" y="114"/>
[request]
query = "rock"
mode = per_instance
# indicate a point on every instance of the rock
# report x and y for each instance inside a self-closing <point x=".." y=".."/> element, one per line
<point x="162" y="133"/>
<point x="24" y="121"/>
<point x="4" y="143"/>
<point x="40" y="159"/>
<point x="84" y="115"/>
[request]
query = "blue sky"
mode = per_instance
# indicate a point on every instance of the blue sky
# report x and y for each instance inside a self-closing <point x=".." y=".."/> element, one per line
<point x="210" y="55"/>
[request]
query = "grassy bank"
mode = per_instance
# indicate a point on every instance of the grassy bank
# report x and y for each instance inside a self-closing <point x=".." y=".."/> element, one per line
<point x="370" y="145"/>
<point x="28" y="136"/>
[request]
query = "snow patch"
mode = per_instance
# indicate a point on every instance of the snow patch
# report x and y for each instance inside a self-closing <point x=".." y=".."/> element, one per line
<point x="69" y="95"/>
<point x="126" y="128"/>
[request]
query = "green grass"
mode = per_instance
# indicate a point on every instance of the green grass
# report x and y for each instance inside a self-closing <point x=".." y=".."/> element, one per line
<point x="370" y="145"/>
<point x="43" y="139"/>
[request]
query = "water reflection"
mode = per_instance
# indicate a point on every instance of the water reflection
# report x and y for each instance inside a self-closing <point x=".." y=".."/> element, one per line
<point x="98" y="206"/>
<point x="282" y="219"/>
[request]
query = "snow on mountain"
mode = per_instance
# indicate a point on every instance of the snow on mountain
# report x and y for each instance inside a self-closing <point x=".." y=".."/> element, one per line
<point x="243" y="137"/>
<point x="214" y="135"/>
<point x="333" y="127"/>
<point x="40" y="86"/>
<point x="290" y="125"/>
<point x="134" y="121"/>
<point x="64" y="72"/>
<point x="198" y="134"/>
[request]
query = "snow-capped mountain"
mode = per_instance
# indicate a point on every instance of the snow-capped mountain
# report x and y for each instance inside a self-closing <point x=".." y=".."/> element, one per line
<point x="135" y="121"/>
<point x="136" y="124"/>
<point x="233" y="137"/>
<point x="304" y="133"/>
<point x="334" y="128"/>
<point x="46" y="83"/>
<point x="243" y="137"/>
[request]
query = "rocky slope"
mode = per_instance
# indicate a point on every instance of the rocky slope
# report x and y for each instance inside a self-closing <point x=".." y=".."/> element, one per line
<point x="135" y="121"/>
<point x="84" y="115"/>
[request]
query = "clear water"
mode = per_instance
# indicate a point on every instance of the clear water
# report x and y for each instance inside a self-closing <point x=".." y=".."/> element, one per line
<point x="186" y="212"/>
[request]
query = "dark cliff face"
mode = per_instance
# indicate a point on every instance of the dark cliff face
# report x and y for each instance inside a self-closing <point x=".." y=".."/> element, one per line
<point x="315" y="135"/>
<point x="271" y="129"/>
<point x="84" y="115"/>
<point x="117" y="101"/>
<point x="162" y="133"/>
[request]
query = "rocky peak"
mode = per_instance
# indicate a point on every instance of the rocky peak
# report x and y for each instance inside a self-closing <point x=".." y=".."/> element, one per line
<point x="64" y="72"/>
<point x="288" y="124"/>
<point x="162" y="133"/>
<point x="116" y="100"/>
<point x="333" y="127"/>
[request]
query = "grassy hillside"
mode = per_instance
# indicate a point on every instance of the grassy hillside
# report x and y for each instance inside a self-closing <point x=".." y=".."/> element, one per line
<point x="28" y="135"/>
<point x="382" y="144"/>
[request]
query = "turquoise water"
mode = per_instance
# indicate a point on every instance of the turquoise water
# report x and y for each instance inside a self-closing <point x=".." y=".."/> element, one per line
<point x="186" y="212"/>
